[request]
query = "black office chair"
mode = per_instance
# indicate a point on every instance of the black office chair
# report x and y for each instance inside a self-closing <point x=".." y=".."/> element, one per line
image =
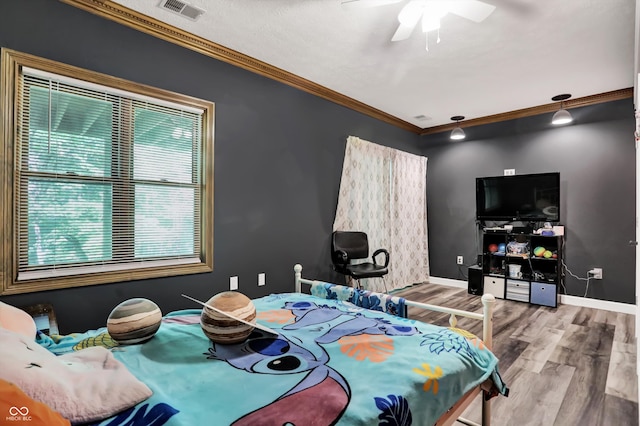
<point x="349" y="245"/>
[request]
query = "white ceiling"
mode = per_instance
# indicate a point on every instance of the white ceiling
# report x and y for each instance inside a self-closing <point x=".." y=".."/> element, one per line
<point x="524" y="53"/>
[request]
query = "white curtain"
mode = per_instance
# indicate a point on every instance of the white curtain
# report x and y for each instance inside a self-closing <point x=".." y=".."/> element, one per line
<point x="409" y="239"/>
<point x="383" y="193"/>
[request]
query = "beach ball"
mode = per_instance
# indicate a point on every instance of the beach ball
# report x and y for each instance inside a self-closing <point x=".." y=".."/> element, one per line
<point x="220" y="328"/>
<point x="548" y="254"/>
<point x="134" y="321"/>
<point x="493" y="248"/>
<point x="539" y="251"/>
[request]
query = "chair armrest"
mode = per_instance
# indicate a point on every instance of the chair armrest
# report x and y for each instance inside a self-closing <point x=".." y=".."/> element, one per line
<point x="341" y="257"/>
<point x="386" y="256"/>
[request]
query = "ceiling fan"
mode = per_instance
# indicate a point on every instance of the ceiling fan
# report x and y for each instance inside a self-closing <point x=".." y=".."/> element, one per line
<point x="431" y="12"/>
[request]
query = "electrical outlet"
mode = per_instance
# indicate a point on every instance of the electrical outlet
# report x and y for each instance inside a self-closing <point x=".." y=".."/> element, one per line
<point x="509" y="172"/>
<point x="261" y="278"/>
<point x="459" y="260"/>
<point x="233" y="283"/>
<point x="596" y="273"/>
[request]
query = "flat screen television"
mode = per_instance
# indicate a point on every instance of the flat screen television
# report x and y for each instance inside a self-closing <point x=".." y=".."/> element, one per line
<point x="527" y="198"/>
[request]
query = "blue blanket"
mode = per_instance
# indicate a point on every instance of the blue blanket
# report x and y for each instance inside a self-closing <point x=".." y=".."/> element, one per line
<point x="393" y="305"/>
<point x="331" y="363"/>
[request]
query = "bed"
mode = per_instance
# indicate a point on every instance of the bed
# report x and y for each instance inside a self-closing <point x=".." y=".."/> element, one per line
<point x="339" y="356"/>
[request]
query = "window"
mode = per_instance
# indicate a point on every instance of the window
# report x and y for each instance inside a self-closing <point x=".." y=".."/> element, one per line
<point x="110" y="180"/>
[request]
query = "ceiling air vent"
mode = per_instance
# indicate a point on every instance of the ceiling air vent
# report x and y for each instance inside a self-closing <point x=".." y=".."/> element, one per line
<point x="181" y="8"/>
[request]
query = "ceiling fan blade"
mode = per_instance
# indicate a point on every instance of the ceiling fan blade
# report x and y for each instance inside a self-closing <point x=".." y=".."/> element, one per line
<point x="408" y="18"/>
<point x="474" y="10"/>
<point x="403" y="32"/>
<point x="362" y="4"/>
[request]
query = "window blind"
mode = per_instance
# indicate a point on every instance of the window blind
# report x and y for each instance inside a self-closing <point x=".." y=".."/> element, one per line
<point x="106" y="180"/>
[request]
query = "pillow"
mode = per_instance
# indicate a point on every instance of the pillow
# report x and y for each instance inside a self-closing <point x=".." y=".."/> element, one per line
<point x="17" y="320"/>
<point x="84" y="386"/>
<point x="17" y="405"/>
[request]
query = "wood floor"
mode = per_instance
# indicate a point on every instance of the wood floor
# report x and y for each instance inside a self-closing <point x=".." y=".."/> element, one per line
<point x="565" y="366"/>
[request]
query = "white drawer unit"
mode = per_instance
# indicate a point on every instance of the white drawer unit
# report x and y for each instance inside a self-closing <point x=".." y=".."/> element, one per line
<point x="517" y="290"/>
<point x="495" y="286"/>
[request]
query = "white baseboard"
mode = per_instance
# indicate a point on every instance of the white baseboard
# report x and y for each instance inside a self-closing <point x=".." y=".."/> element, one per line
<point x="624" y="308"/>
<point x="448" y="282"/>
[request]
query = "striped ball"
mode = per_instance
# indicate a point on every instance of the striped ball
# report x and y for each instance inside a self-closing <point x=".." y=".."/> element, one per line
<point x="223" y="329"/>
<point x="134" y="321"/>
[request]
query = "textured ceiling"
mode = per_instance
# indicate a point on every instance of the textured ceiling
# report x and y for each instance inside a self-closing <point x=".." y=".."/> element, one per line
<point x="524" y="53"/>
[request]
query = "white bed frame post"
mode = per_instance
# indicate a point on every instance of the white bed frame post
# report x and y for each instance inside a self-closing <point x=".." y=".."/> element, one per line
<point x="297" y="270"/>
<point x="488" y="302"/>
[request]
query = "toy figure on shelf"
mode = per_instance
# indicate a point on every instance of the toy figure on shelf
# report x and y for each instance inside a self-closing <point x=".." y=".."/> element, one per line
<point x="517" y="248"/>
<point x="546" y="230"/>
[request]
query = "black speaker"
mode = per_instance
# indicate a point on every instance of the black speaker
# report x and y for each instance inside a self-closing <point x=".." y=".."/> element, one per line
<point x="475" y="285"/>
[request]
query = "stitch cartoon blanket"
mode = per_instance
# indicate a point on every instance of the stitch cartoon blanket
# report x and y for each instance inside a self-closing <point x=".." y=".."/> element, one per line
<point x="331" y="363"/>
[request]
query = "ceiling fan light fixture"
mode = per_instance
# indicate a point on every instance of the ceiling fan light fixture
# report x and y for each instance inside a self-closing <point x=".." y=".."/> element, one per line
<point x="437" y="10"/>
<point x="432" y="11"/>
<point x="430" y="23"/>
<point x="457" y="133"/>
<point x="562" y="116"/>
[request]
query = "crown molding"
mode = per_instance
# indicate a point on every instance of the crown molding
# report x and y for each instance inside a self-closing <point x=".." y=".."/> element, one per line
<point x="125" y="16"/>
<point x="537" y="110"/>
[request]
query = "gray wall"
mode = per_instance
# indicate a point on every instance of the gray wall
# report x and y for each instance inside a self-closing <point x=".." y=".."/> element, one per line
<point x="278" y="158"/>
<point x="596" y="159"/>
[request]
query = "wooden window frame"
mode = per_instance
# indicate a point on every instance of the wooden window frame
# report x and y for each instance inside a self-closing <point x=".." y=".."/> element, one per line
<point x="12" y="63"/>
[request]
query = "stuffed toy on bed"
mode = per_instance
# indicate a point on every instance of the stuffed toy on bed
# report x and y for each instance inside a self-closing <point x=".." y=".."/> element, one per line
<point x="83" y="386"/>
<point x="17" y="320"/>
<point x="14" y="403"/>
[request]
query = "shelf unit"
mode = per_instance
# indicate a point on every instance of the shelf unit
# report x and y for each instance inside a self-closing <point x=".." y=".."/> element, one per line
<point x="522" y="267"/>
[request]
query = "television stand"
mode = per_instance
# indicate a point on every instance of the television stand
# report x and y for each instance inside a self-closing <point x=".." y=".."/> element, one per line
<point x="521" y="266"/>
